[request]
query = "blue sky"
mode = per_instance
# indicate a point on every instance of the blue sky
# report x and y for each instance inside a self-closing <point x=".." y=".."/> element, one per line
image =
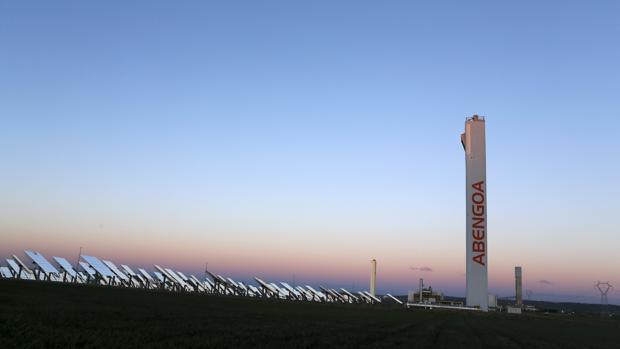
<point x="313" y="130"/>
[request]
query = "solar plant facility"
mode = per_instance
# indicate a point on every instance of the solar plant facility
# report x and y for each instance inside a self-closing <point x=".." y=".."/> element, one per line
<point x="93" y="270"/>
<point x="96" y="271"/>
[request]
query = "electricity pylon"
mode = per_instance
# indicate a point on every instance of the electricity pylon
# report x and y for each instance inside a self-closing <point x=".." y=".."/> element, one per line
<point x="604" y="288"/>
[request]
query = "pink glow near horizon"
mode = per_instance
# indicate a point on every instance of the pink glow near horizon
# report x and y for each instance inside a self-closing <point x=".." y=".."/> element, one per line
<point x="339" y="269"/>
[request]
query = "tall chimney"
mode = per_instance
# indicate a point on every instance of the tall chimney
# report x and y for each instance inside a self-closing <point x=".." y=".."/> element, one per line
<point x="518" y="289"/>
<point x="373" y="277"/>
<point x="421" y="289"/>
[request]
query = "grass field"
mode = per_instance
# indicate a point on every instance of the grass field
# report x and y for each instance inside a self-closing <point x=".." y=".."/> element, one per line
<point x="37" y="314"/>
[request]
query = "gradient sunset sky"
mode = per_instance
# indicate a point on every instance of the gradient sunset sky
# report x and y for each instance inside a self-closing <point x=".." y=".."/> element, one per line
<point x="299" y="140"/>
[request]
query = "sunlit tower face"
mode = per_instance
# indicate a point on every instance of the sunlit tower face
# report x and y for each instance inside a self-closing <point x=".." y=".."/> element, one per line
<point x="473" y="141"/>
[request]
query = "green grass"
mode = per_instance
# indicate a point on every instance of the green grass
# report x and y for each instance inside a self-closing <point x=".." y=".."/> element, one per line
<point x="37" y="314"/>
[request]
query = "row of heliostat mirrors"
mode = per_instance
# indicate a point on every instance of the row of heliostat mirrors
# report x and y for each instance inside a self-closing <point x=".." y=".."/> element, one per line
<point x="92" y="270"/>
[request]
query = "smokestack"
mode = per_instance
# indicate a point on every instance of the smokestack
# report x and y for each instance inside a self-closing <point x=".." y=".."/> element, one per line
<point x="421" y="289"/>
<point x="473" y="140"/>
<point x="373" y="277"/>
<point x="518" y="289"/>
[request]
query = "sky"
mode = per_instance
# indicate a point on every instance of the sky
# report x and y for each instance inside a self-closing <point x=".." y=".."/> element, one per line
<point x="297" y="141"/>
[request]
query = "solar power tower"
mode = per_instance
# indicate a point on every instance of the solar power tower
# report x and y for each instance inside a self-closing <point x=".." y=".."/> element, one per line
<point x="518" y="287"/>
<point x="473" y="140"/>
<point x="373" y="277"/>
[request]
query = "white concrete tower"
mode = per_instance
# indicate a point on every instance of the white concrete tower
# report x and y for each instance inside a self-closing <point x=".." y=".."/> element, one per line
<point x="518" y="287"/>
<point x="473" y="141"/>
<point x="373" y="277"/>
